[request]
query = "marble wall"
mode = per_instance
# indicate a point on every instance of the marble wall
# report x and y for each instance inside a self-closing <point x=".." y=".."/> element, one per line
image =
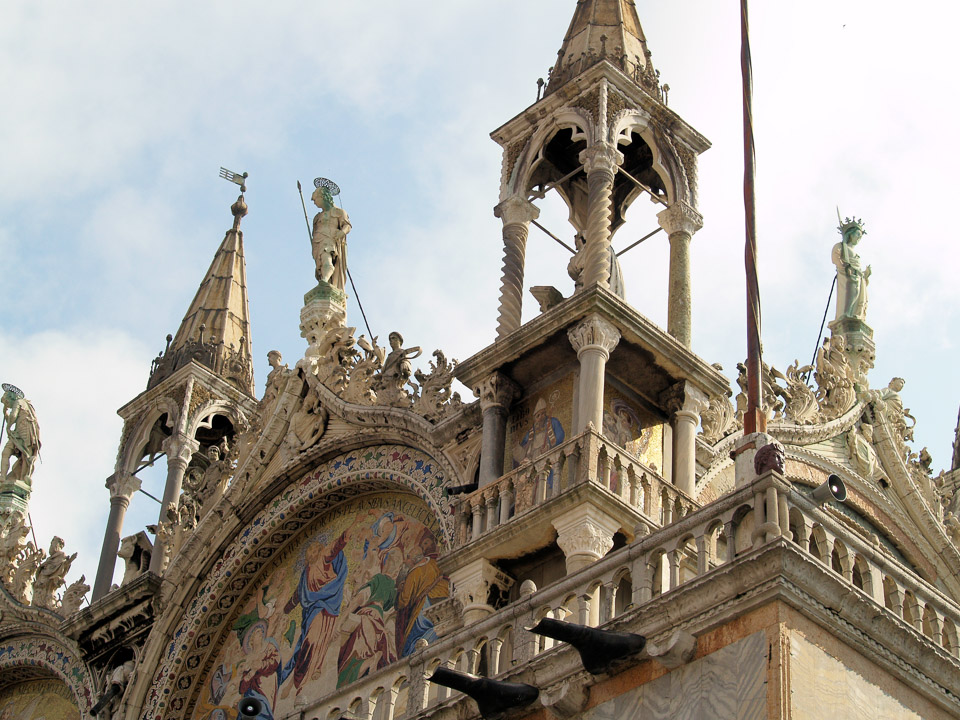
<point x="823" y="686"/>
<point x="729" y="683"/>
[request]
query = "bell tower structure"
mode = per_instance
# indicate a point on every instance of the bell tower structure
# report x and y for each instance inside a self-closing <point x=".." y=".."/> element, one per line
<point x="601" y="136"/>
<point x="589" y="406"/>
<point x="199" y="396"/>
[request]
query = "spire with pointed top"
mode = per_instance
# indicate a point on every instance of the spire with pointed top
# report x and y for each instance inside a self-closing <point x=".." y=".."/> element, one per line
<point x="604" y="30"/>
<point x="216" y="328"/>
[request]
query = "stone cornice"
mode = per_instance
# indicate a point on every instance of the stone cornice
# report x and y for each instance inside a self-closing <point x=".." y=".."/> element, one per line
<point x="520" y="124"/>
<point x="201" y="373"/>
<point x="670" y="354"/>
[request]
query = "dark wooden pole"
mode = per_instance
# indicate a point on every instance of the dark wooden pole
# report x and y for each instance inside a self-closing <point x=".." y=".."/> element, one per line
<point x="753" y="420"/>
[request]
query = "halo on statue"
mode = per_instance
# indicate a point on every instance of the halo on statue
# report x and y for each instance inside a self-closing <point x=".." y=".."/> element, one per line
<point x="328" y="184"/>
<point x="7" y="387"/>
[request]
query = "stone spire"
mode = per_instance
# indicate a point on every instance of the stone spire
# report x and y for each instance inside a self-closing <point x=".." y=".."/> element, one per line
<point x="604" y="30"/>
<point x="216" y="328"/>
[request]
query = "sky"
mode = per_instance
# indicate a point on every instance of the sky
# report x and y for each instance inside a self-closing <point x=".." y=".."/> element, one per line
<point x="117" y="117"/>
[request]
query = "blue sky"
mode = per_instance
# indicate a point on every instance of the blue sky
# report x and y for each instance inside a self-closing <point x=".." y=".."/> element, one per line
<point x="118" y="116"/>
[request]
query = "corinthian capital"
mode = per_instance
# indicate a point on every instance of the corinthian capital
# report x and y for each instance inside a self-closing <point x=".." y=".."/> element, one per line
<point x="496" y="390"/>
<point x="601" y="157"/>
<point x="515" y="210"/>
<point x="594" y="332"/>
<point x="680" y="217"/>
<point x="123" y="485"/>
<point x="682" y="397"/>
<point x="179" y="447"/>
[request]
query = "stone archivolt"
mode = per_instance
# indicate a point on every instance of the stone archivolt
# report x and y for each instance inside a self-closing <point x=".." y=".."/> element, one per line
<point x="229" y="570"/>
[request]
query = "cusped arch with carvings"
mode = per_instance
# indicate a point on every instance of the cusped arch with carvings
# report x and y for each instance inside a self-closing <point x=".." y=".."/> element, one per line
<point x="133" y="442"/>
<point x="190" y="638"/>
<point x="215" y="407"/>
<point x="666" y="161"/>
<point x="573" y="119"/>
<point x="28" y="655"/>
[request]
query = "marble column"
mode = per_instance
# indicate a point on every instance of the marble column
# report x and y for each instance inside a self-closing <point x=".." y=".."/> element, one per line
<point x="600" y="162"/>
<point x="685" y="402"/>
<point x="680" y="222"/>
<point x="594" y="338"/>
<point x="121" y="490"/>
<point x="179" y="450"/>
<point x="496" y="392"/>
<point x="516" y="214"/>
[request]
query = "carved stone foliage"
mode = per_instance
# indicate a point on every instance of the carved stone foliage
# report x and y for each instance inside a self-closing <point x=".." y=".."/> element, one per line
<point x="835" y="379"/>
<point x="436" y="400"/>
<point x="73" y="596"/>
<point x="788" y="397"/>
<point x="718" y="419"/>
<point x="496" y="390"/>
<point x="379" y="376"/>
<point x="594" y="331"/>
<point x="204" y="619"/>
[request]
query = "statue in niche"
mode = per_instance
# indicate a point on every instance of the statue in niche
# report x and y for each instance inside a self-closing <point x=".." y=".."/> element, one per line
<point x="576" y="266"/>
<point x="50" y="575"/>
<point x="396" y="372"/>
<point x="330" y="228"/>
<point x="852" y="280"/>
<point x="23" y="436"/>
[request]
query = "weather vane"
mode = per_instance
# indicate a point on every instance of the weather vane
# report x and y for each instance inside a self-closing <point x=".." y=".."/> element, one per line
<point x="236" y="178"/>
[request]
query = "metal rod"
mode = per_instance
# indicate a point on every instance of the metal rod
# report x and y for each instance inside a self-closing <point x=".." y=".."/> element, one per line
<point x="30" y="519"/>
<point x="823" y="322"/>
<point x="753" y="420"/>
<point x="643" y="187"/>
<point x="645" y="237"/>
<point x="550" y="185"/>
<point x="536" y="224"/>
<point x="149" y="463"/>
<point x="159" y="502"/>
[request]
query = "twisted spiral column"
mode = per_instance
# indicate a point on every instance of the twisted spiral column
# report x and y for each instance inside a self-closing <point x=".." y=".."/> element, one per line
<point x="516" y="214"/>
<point x="601" y="162"/>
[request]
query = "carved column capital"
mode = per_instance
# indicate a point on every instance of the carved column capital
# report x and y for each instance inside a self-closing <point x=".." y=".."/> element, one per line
<point x="680" y="218"/>
<point x="602" y="158"/>
<point x="179" y="448"/>
<point x="496" y="390"/>
<point x="516" y="210"/>
<point x="472" y="584"/>
<point x="585" y="534"/>
<point x="122" y="486"/>
<point x="683" y="399"/>
<point x="594" y="332"/>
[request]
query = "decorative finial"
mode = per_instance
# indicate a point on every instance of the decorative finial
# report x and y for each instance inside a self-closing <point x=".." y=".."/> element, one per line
<point x="239" y="210"/>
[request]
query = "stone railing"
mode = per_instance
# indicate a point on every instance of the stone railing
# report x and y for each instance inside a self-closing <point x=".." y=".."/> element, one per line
<point x="701" y="545"/>
<point x="586" y="458"/>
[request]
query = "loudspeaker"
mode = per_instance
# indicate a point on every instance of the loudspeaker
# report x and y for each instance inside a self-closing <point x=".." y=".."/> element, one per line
<point x="832" y="489"/>
<point x="250" y="707"/>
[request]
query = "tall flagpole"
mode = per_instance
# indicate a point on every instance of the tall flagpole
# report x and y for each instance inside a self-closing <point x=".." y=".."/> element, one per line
<point x="753" y="419"/>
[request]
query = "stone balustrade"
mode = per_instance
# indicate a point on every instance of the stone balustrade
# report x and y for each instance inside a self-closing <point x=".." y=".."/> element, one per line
<point x="586" y="458"/>
<point x="710" y="541"/>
